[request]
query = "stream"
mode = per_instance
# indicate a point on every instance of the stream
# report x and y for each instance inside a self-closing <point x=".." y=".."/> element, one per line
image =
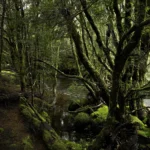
<point x="67" y="91"/>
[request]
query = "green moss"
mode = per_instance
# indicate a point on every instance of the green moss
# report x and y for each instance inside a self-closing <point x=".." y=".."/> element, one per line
<point x="135" y="119"/>
<point x="45" y="116"/>
<point x="36" y="122"/>
<point x="27" y="113"/>
<point x="100" y="115"/>
<point x="46" y="136"/>
<point x="145" y="132"/>
<point x="27" y="143"/>
<point x="22" y="106"/>
<point x="73" y="146"/>
<point x="53" y="141"/>
<point x="9" y="75"/>
<point x="82" y="119"/>
<point x="1" y="130"/>
<point x="58" y="145"/>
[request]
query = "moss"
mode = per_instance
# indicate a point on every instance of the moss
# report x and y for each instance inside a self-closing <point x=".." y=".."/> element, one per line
<point x="27" y="143"/>
<point x="36" y="122"/>
<point x="22" y="106"/>
<point x="9" y="75"/>
<point x="53" y="141"/>
<point x="27" y="113"/>
<point x="135" y="119"/>
<point x="58" y="145"/>
<point x="145" y="132"/>
<point x="100" y="115"/>
<point x="14" y="146"/>
<point x="46" y="136"/>
<point x="45" y="116"/>
<point x="1" y="130"/>
<point x="73" y="146"/>
<point x="82" y="120"/>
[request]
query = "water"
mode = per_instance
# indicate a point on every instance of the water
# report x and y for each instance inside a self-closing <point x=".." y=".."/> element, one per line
<point x="62" y="122"/>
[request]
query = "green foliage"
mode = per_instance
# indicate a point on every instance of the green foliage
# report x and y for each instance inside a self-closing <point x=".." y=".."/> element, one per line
<point x="100" y="115"/>
<point x="27" y="142"/>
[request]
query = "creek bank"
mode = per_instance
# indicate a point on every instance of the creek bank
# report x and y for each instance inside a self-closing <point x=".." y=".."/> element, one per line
<point x="39" y="123"/>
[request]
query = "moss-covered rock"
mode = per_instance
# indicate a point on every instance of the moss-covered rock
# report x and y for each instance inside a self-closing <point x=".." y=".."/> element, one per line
<point x="135" y="119"/>
<point x="82" y="120"/>
<point x="144" y="132"/>
<point x="100" y="115"/>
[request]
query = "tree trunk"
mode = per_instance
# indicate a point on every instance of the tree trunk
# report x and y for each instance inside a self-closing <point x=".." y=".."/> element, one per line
<point x="2" y="31"/>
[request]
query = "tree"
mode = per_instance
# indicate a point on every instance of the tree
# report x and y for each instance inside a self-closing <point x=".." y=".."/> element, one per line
<point x="2" y="30"/>
<point x="126" y="36"/>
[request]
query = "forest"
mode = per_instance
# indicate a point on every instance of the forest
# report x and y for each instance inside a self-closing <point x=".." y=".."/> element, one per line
<point x="74" y="74"/>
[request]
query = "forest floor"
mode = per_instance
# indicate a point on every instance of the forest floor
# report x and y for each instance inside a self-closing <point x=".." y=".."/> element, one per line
<point x="14" y="131"/>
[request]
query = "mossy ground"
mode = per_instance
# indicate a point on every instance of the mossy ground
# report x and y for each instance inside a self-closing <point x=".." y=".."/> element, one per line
<point x="14" y="133"/>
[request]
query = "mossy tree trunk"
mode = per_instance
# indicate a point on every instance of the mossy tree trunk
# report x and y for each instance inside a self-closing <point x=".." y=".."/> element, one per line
<point x="127" y="44"/>
<point x="2" y="30"/>
<point x="20" y="37"/>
